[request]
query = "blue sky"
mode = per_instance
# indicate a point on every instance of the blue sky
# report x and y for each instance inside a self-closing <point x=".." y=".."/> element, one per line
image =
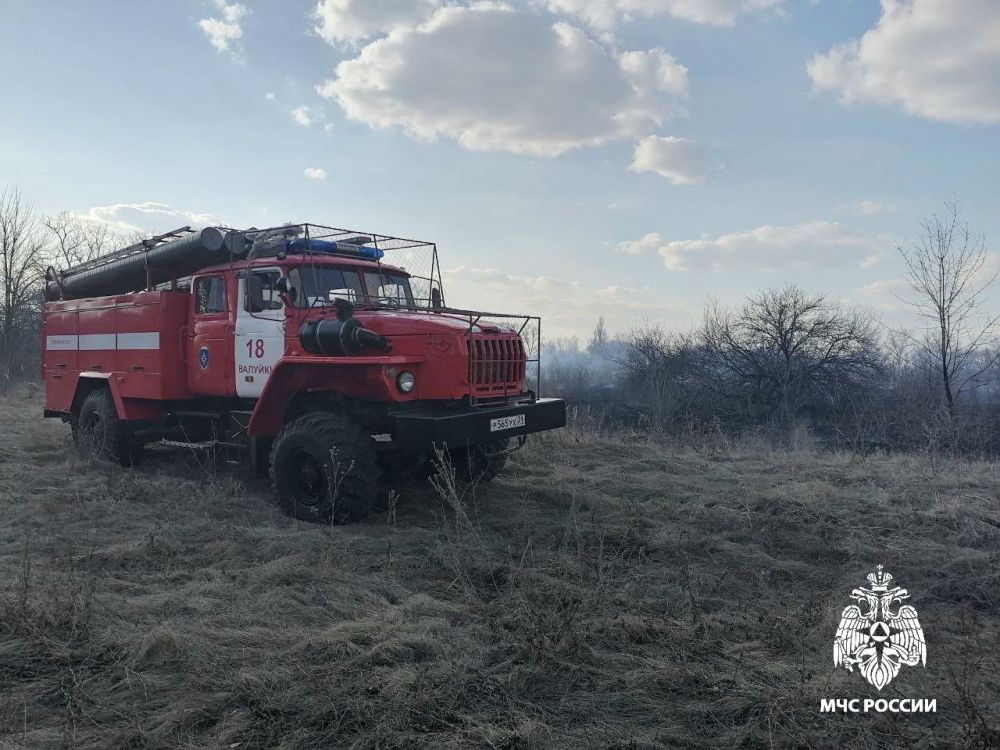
<point x="574" y="158"/>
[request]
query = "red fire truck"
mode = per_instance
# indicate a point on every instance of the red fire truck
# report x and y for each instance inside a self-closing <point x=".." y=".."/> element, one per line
<point x="299" y="344"/>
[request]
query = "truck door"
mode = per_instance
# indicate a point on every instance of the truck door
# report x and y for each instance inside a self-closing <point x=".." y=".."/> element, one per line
<point x="260" y="330"/>
<point x="210" y="354"/>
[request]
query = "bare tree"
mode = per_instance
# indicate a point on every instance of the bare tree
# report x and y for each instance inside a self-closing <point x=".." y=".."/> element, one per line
<point x="67" y="236"/>
<point x="785" y="345"/>
<point x="78" y="240"/>
<point x="22" y="251"/>
<point x="599" y="341"/>
<point x="99" y="238"/>
<point x="949" y="279"/>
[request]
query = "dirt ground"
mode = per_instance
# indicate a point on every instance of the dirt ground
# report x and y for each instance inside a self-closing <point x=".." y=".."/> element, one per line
<point x="605" y="592"/>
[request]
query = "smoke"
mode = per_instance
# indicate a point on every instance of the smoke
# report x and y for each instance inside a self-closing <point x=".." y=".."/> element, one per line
<point x="586" y="373"/>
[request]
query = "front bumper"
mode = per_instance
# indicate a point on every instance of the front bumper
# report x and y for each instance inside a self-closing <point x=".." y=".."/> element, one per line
<point x="419" y="429"/>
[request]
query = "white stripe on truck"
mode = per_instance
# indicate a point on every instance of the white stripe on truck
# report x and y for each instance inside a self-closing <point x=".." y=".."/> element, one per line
<point x="88" y="342"/>
<point x="145" y="341"/>
<point x="61" y="343"/>
<point x="91" y="342"/>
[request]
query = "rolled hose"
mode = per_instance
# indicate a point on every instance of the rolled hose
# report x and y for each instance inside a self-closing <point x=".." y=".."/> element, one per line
<point x="160" y="263"/>
<point x="339" y="338"/>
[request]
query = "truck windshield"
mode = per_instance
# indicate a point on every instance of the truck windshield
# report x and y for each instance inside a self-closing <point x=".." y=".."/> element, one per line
<point x="389" y="289"/>
<point x="320" y="285"/>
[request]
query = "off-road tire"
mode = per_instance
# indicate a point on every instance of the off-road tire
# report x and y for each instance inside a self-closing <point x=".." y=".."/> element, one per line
<point x="323" y="469"/>
<point x="475" y="464"/>
<point x="99" y="433"/>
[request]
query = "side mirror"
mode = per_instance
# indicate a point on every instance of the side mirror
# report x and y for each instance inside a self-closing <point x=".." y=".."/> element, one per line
<point x="435" y="298"/>
<point x="345" y="308"/>
<point x="285" y="289"/>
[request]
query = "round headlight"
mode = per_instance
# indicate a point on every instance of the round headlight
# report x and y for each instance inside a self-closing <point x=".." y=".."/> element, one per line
<point x="406" y="381"/>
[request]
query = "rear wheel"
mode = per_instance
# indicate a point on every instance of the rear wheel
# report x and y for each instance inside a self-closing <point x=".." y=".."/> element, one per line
<point x="323" y="468"/>
<point x="99" y="433"/>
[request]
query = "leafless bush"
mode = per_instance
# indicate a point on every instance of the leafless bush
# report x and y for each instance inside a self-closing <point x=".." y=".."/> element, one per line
<point x="783" y="359"/>
<point x="664" y="370"/>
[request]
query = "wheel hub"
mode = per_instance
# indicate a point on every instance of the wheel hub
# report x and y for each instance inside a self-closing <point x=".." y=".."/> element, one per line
<point x="309" y="476"/>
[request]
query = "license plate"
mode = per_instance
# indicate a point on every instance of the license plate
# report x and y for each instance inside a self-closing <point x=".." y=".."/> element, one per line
<point x="506" y="423"/>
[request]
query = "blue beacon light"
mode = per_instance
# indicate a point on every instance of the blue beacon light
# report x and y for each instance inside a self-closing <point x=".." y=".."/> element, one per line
<point x="298" y="245"/>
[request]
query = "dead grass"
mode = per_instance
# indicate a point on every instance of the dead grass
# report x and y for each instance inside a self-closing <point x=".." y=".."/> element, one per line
<point x="605" y="592"/>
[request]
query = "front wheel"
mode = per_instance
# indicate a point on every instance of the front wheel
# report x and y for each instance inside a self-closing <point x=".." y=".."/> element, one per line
<point x="323" y="469"/>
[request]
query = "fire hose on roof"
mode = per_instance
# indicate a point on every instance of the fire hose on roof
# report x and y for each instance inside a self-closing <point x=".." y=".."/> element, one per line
<point x="155" y="265"/>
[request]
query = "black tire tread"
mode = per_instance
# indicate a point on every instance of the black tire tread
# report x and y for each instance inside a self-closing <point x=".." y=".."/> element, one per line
<point x="357" y="487"/>
<point x="121" y="445"/>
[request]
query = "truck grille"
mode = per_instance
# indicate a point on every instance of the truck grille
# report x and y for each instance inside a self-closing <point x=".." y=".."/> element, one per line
<point x="496" y="365"/>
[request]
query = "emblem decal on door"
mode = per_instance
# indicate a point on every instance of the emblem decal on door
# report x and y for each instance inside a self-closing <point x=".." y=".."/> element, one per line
<point x="203" y="357"/>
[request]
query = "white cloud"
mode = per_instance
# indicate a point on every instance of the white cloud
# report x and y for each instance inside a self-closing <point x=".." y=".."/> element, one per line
<point x="224" y="32"/>
<point x="650" y="242"/>
<point x="887" y="295"/>
<point x="938" y="59"/>
<point x="269" y="96"/>
<point x="873" y="207"/>
<point x="677" y="159"/>
<point x="605" y="14"/>
<point x="568" y="307"/>
<point x="655" y="70"/>
<point x="766" y="248"/>
<point x="523" y="85"/>
<point x="315" y="173"/>
<point x="885" y="288"/>
<point x="353" y="20"/>
<point x="148" y="216"/>
<point x="305" y="116"/>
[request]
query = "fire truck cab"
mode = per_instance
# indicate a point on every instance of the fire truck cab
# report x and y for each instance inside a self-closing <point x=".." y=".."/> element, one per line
<point x="330" y="367"/>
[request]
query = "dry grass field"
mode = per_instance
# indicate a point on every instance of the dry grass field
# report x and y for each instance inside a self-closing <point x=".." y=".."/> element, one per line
<point x="605" y="592"/>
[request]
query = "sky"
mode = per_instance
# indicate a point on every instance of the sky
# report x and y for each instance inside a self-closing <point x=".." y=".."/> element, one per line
<point x="631" y="159"/>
